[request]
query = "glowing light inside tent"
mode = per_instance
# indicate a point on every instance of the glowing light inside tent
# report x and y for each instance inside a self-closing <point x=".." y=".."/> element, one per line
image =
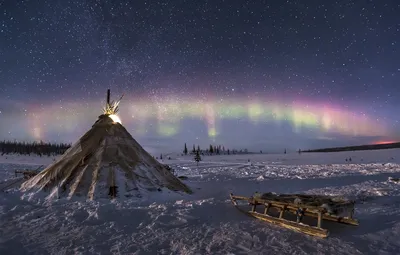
<point x="115" y="118"/>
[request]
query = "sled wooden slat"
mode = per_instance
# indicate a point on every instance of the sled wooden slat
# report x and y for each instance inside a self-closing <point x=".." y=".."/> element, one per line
<point x="310" y="230"/>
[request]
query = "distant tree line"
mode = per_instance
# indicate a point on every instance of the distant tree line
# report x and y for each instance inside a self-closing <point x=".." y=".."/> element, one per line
<point x="359" y="148"/>
<point x="37" y="148"/>
<point x="213" y="150"/>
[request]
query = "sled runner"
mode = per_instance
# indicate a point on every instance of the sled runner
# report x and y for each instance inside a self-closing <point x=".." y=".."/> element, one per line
<point x="276" y="207"/>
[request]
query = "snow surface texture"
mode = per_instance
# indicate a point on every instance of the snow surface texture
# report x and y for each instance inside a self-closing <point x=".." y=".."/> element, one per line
<point x="206" y="222"/>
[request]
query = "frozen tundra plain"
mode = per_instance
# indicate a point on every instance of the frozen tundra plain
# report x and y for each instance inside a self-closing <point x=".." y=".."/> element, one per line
<point x="206" y="222"/>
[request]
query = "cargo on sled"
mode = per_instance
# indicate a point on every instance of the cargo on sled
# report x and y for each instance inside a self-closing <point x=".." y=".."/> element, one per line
<point x="277" y="207"/>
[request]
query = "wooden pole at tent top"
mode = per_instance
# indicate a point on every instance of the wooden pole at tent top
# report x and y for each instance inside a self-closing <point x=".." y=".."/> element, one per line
<point x="108" y="96"/>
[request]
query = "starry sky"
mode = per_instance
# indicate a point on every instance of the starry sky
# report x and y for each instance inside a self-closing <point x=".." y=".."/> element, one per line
<point x="262" y="75"/>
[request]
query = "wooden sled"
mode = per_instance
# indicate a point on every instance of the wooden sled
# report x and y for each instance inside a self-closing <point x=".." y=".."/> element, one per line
<point x="27" y="174"/>
<point x="299" y="205"/>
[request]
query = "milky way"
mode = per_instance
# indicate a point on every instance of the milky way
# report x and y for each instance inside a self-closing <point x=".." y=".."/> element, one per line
<point x="276" y="74"/>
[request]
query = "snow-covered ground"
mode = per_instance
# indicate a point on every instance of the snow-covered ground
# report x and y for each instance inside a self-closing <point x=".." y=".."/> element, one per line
<point x="206" y="222"/>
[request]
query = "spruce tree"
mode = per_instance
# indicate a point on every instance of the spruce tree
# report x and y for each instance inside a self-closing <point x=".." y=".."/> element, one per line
<point x="185" y="150"/>
<point x="197" y="157"/>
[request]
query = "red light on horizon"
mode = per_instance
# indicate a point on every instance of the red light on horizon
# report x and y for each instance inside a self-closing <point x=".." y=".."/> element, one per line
<point x="385" y="142"/>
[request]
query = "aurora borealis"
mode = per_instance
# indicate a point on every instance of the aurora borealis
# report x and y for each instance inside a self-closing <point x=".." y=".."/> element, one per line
<point x="243" y="74"/>
<point x="168" y="120"/>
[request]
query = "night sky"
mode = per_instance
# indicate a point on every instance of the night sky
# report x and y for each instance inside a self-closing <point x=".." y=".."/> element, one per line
<point x="245" y="74"/>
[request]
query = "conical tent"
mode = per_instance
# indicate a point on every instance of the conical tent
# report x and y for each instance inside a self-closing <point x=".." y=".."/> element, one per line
<point x="105" y="162"/>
